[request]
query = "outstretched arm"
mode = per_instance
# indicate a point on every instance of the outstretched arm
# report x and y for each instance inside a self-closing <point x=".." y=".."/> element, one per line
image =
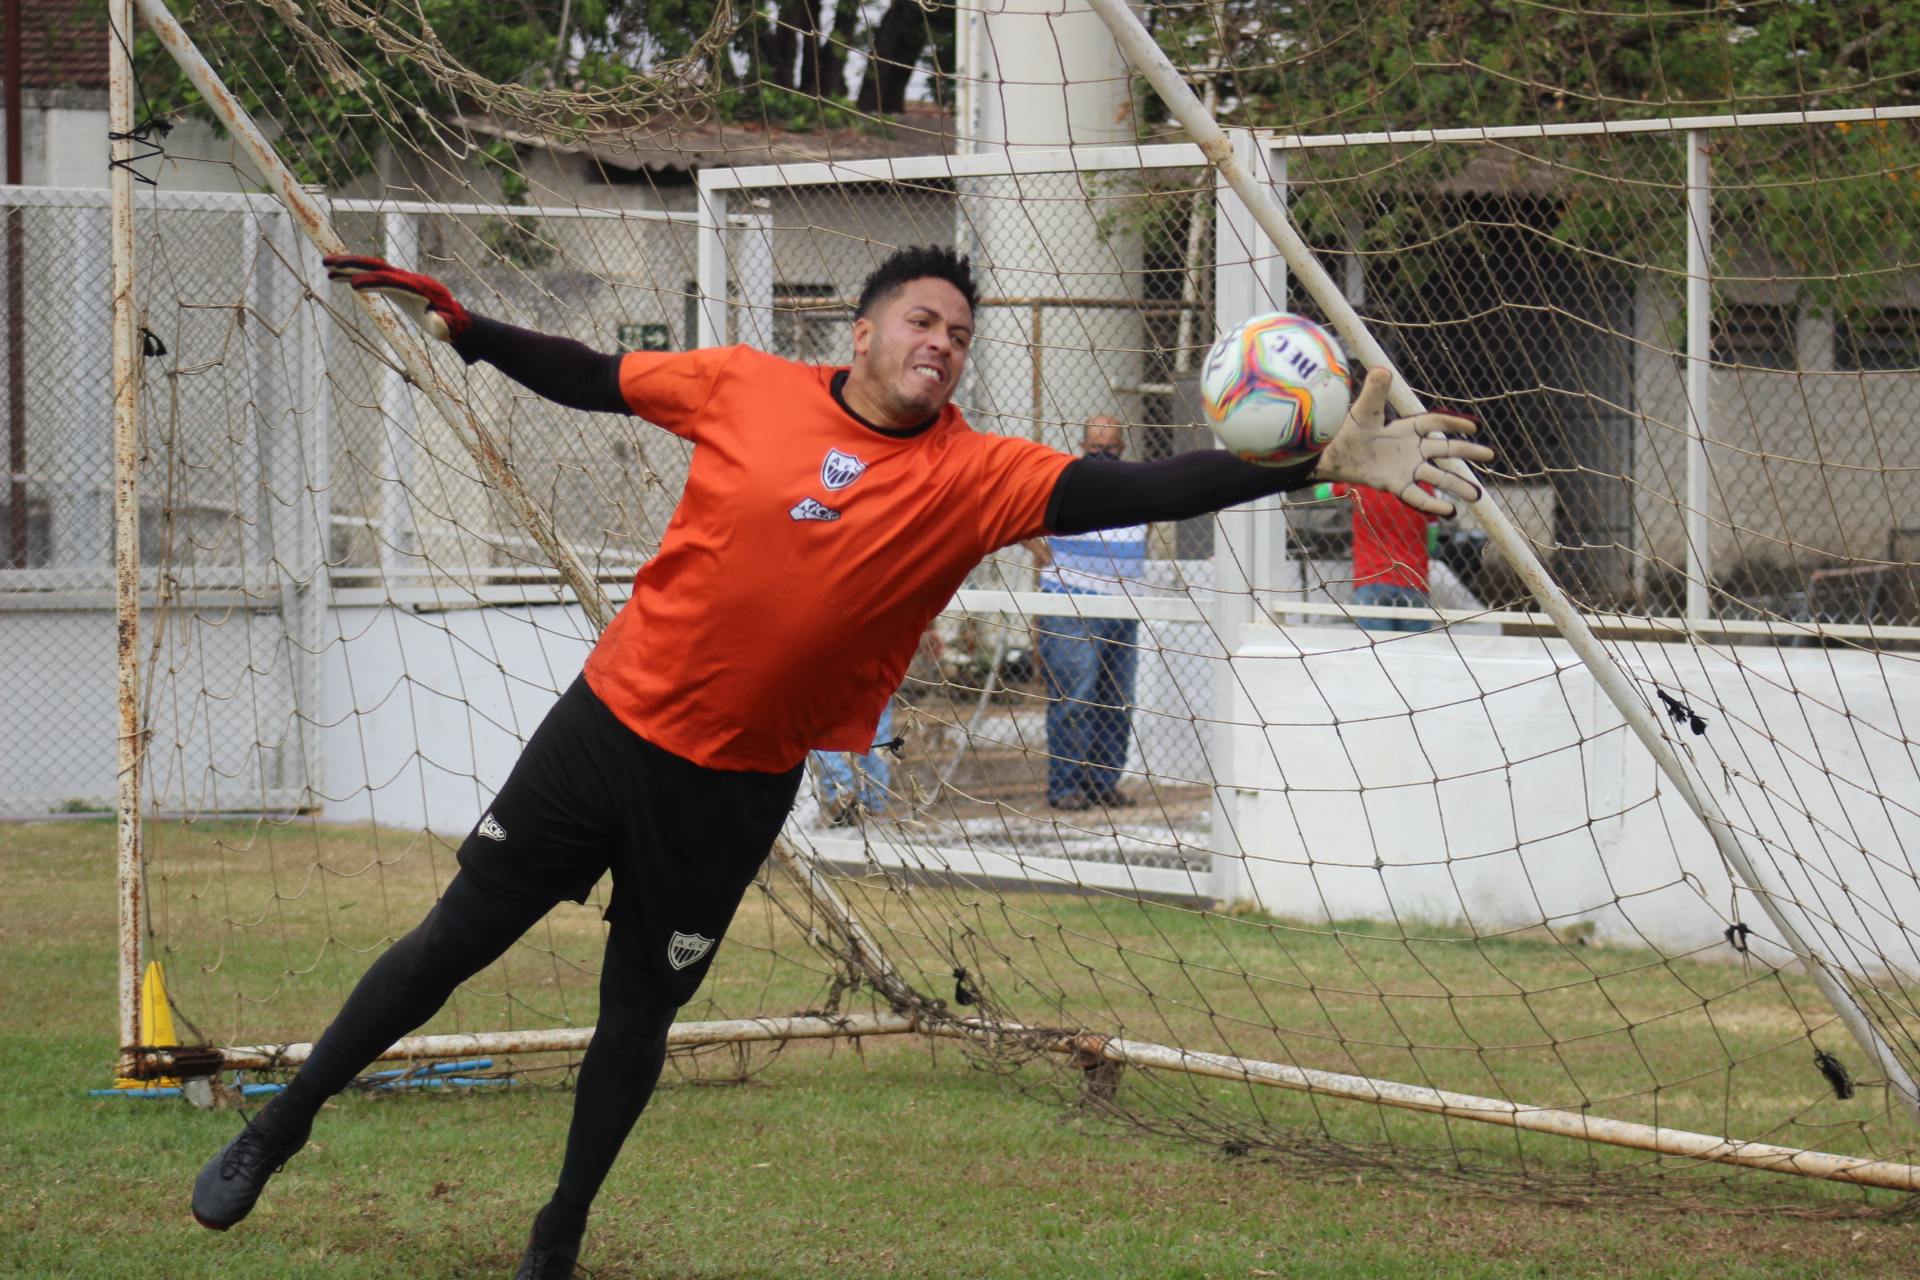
<point x="1398" y="456"/>
<point x="560" y="369"/>
<point x="564" y="371"/>
<point x="1104" y="493"/>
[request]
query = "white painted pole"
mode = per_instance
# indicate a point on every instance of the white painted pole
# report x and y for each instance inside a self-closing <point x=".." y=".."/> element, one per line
<point x="710" y="271"/>
<point x="131" y="866"/>
<point x="1501" y="531"/>
<point x="1237" y="294"/>
<point x="399" y="550"/>
<point x="751" y="256"/>
<point x="1699" y="607"/>
<point x="399" y="335"/>
<point x="306" y="592"/>
<point x="81" y="516"/>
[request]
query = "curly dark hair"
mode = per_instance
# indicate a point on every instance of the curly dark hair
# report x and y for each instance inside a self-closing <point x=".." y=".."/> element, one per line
<point x="917" y="262"/>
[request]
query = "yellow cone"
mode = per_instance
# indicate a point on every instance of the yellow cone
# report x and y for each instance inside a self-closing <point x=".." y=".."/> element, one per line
<point x="156" y="1019"/>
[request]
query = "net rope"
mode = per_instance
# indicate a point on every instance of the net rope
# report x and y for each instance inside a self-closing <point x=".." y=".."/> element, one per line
<point x="1438" y="858"/>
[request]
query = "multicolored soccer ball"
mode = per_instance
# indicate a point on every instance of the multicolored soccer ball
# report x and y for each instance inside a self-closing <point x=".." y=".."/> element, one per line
<point x="1275" y="388"/>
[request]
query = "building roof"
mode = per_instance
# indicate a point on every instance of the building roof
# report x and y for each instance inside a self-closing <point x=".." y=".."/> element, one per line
<point x="1511" y="169"/>
<point x="661" y="143"/>
<point x="65" y="45"/>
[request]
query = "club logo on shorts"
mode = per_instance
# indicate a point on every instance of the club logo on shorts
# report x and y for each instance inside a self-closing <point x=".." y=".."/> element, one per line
<point x="490" y="828"/>
<point x="810" y="509"/>
<point x="684" y="948"/>
<point x="841" y="469"/>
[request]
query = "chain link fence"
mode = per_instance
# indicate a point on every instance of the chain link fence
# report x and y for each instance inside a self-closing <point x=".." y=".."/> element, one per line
<point x="1541" y="284"/>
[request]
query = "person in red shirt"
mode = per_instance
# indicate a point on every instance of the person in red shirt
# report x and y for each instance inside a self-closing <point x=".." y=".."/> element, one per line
<point x="1389" y="555"/>
<point x="828" y="516"/>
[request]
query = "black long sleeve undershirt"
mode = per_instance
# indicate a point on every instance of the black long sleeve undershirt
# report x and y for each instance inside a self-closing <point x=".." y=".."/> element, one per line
<point x="1092" y="493"/>
<point x="1105" y="493"/>
<point x="564" y="371"/>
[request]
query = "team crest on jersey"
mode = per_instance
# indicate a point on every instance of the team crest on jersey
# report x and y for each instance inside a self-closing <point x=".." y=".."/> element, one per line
<point x="841" y="469"/>
<point x="490" y="828"/>
<point x="684" y="948"/>
<point x="811" y="509"/>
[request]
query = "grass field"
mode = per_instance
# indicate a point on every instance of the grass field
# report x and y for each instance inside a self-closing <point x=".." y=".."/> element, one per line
<point x="901" y="1159"/>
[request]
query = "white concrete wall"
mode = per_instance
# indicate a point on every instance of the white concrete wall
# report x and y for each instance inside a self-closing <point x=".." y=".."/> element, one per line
<point x="1486" y="781"/>
<point x="426" y="713"/>
<point x="63" y="143"/>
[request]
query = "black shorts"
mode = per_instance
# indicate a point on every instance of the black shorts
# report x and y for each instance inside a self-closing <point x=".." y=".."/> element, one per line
<point x="589" y="795"/>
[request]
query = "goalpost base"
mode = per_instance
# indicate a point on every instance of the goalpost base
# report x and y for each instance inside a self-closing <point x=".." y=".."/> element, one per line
<point x="1092" y="1048"/>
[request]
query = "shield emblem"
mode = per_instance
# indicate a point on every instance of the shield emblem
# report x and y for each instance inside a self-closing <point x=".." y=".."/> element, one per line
<point x="685" y="948"/>
<point x="841" y="469"/>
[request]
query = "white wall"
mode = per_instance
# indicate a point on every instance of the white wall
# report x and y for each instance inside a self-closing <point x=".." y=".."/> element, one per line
<point x="1485" y="780"/>
<point x="63" y="143"/>
<point x="426" y="713"/>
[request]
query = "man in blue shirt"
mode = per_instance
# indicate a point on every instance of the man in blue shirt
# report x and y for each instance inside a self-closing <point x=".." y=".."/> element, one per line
<point x="1090" y="663"/>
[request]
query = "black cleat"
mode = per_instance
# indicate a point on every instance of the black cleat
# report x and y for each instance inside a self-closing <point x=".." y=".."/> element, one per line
<point x="547" y="1262"/>
<point x="226" y="1190"/>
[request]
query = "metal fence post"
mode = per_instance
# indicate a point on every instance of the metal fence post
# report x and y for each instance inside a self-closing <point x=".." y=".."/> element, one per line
<point x="81" y="520"/>
<point x="1240" y="289"/>
<point x="752" y="260"/>
<point x="1699" y="527"/>
<point x="1273" y="573"/>
<point x="399" y="551"/>
<point x="305" y="603"/>
<point x="711" y="266"/>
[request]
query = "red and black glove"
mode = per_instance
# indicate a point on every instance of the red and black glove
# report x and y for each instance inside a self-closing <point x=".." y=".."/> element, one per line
<point x="422" y="297"/>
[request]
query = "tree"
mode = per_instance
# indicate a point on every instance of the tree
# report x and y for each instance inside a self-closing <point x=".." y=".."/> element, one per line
<point x="903" y="34"/>
<point x="1836" y="202"/>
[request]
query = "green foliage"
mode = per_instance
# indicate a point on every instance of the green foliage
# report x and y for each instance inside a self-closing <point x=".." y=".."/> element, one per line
<point x="1346" y="66"/>
<point x="337" y="96"/>
<point x="1833" y="204"/>
<point x="342" y="80"/>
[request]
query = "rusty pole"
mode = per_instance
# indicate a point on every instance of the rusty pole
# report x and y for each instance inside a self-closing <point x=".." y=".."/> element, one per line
<point x="310" y="218"/>
<point x="16" y="305"/>
<point x="126" y="526"/>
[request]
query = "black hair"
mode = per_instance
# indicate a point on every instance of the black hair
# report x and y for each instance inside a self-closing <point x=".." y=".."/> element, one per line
<point x="917" y="262"/>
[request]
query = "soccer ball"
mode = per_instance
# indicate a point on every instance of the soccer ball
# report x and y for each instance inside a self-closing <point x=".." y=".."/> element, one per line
<point x="1275" y="388"/>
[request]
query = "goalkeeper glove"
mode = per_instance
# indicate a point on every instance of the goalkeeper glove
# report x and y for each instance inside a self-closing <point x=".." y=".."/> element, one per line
<point x="421" y="297"/>
<point x="1399" y="456"/>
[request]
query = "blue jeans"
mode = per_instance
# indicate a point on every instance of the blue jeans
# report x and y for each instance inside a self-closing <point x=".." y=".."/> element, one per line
<point x="1391" y="597"/>
<point x="1090" y="665"/>
<point x="861" y="779"/>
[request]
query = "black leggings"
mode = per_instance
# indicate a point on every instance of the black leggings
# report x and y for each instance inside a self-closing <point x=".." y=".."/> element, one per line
<point x="464" y="933"/>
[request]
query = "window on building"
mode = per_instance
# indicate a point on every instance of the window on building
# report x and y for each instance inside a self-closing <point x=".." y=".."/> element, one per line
<point x="810" y="325"/>
<point x="1754" y="336"/>
<point x="1885" y="339"/>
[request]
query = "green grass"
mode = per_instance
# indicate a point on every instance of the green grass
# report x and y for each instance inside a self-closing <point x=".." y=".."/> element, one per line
<point x="903" y="1159"/>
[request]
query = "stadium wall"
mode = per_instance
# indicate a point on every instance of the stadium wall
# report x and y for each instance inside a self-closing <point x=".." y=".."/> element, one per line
<point x="1486" y="781"/>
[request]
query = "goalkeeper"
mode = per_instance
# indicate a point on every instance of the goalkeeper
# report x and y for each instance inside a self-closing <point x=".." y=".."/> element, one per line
<point x="828" y="516"/>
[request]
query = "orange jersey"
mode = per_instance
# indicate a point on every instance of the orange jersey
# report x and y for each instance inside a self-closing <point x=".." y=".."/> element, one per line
<point x="808" y="553"/>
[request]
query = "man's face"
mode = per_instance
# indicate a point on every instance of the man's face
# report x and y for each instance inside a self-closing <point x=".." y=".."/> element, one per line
<point x="910" y="349"/>
<point x="1104" y="439"/>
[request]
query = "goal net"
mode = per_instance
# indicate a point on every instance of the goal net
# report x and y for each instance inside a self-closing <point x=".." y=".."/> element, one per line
<point x="1223" y="817"/>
